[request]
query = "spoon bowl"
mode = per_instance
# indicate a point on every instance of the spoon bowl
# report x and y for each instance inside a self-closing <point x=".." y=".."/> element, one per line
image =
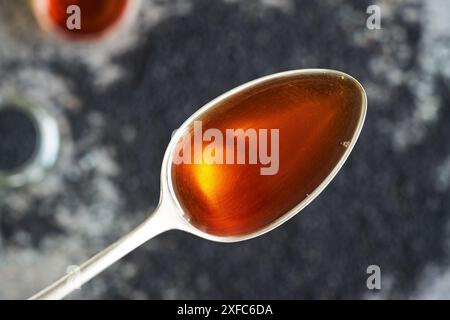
<point x="317" y="115"/>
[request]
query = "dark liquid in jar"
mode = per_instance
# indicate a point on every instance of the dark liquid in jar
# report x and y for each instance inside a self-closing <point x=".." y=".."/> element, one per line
<point x="97" y="16"/>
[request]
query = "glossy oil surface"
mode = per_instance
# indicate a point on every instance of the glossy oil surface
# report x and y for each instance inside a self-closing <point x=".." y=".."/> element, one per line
<point x="97" y="16"/>
<point x="317" y="116"/>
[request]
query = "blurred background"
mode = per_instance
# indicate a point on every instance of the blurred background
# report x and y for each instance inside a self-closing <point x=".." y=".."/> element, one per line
<point x="117" y="102"/>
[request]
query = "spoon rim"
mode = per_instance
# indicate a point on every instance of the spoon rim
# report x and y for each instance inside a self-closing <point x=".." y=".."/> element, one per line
<point x="166" y="174"/>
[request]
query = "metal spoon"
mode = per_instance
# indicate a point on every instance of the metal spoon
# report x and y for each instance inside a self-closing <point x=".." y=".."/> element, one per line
<point x="172" y="213"/>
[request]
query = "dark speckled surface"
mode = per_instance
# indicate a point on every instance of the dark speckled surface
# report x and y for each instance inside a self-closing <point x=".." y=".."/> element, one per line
<point x="118" y="103"/>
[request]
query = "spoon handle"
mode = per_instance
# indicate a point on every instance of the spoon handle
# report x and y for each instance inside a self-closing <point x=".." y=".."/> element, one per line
<point x="70" y="282"/>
